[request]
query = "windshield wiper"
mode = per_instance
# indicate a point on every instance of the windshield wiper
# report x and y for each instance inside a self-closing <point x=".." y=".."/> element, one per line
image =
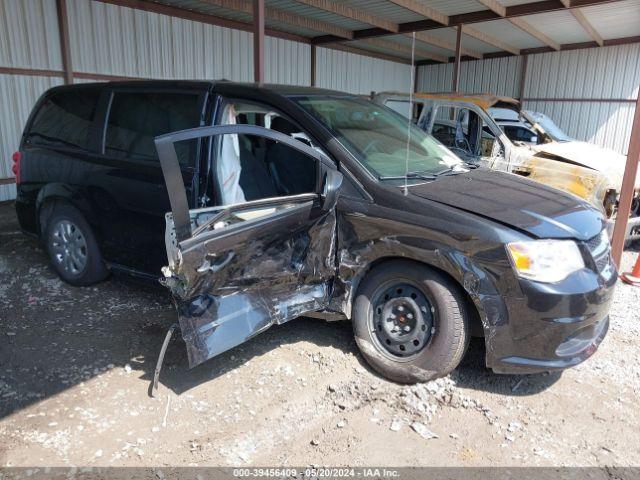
<point x="418" y="175"/>
<point x="451" y="171"/>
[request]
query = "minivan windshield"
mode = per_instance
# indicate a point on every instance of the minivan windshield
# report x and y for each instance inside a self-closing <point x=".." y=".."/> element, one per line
<point x="379" y="138"/>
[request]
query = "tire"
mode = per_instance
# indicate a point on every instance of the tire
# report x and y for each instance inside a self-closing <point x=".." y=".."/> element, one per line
<point x="446" y="342"/>
<point x="80" y="263"/>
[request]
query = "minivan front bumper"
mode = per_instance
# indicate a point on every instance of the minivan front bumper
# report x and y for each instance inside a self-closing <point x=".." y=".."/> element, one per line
<point x="552" y="326"/>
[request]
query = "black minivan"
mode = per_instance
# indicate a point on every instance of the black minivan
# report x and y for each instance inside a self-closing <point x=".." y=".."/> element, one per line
<point x="256" y="204"/>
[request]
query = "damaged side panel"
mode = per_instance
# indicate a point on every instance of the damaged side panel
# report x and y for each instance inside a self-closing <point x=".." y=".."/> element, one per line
<point x="364" y="240"/>
<point x="270" y="278"/>
<point x="235" y="270"/>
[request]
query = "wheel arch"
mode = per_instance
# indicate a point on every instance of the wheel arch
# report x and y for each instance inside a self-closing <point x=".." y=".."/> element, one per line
<point x="54" y="193"/>
<point x="475" y="322"/>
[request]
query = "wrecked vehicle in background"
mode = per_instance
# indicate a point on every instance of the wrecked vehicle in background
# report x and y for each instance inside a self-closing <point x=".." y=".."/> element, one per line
<point x="494" y="132"/>
<point x="286" y="201"/>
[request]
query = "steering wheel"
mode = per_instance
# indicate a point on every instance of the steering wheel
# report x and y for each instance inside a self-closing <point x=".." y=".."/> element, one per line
<point x="371" y="145"/>
<point x="463" y="144"/>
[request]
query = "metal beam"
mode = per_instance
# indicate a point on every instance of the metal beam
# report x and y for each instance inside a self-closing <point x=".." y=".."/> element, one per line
<point x="514" y="11"/>
<point x="343" y="10"/>
<point x="496" y="42"/>
<point x="63" y="28"/>
<point x="628" y="186"/>
<point x="534" y="32"/>
<point x="274" y="14"/>
<point x="439" y="42"/>
<point x="258" y="41"/>
<point x="498" y="8"/>
<point x="456" y="65"/>
<point x="397" y="47"/>
<point x="586" y="24"/>
<point x="368" y="53"/>
<point x="421" y="9"/>
<point x="523" y="78"/>
<point x="314" y="64"/>
<point x="494" y="6"/>
<point x="201" y="17"/>
<point x="530" y="51"/>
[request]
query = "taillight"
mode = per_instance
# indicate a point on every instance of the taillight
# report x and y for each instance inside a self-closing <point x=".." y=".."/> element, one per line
<point x="16" y="166"/>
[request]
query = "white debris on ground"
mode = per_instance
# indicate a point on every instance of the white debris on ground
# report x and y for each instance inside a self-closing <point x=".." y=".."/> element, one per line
<point x="76" y="364"/>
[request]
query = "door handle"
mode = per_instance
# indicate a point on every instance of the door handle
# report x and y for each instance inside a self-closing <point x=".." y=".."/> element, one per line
<point x="212" y="263"/>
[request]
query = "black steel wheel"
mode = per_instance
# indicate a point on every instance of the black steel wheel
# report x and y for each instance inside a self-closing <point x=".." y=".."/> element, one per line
<point x="409" y="321"/>
<point x="402" y="319"/>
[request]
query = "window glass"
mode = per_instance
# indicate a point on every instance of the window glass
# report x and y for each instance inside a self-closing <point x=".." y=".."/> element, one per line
<point x="136" y="118"/>
<point x="384" y="141"/>
<point x="519" y="134"/>
<point x="251" y="167"/>
<point x="65" y="119"/>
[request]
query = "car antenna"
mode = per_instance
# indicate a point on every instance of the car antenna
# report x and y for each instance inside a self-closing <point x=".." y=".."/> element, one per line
<point x="411" y="87"/>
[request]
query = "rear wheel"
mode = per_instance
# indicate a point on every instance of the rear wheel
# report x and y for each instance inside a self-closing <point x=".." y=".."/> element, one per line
<point x="409" y="322"/>
<point x="72" y="247"/>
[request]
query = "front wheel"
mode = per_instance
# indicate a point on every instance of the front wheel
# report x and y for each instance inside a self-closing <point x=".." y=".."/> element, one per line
<point x="409" y="322"/>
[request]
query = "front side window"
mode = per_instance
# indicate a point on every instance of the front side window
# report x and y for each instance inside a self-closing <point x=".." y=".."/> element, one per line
<point x="250" y="167"/>
<point x="379" y="137"/>
<point x="65" y="119"/>
<point x="136" y="118"/>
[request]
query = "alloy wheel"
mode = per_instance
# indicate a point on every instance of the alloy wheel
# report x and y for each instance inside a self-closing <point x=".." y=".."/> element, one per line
<point x="69" y="247"/>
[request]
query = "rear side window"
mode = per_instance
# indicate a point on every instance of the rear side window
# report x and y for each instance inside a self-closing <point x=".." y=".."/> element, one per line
<point x="64" y="119"/>
<point x="136" y="118"/>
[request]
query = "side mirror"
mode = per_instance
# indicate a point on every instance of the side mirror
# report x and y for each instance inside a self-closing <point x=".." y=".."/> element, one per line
<point x="534" y="139"/>
<point x="331" y="189"/>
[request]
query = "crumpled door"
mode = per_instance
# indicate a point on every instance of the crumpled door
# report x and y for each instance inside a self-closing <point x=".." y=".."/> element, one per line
<point x="236" y="270"/>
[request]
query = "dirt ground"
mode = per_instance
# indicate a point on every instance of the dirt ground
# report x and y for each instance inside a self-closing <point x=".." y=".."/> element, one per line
<point x="76" y="364"/>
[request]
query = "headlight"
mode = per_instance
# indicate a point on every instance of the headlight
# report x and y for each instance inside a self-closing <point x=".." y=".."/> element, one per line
<point x="545" y="261"/>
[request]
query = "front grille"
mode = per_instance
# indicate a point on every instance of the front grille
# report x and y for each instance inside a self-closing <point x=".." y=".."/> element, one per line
<point x="600" y="250"/>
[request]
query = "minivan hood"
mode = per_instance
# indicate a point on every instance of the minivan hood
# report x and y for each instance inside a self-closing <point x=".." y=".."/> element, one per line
<point x="528" y="206"/>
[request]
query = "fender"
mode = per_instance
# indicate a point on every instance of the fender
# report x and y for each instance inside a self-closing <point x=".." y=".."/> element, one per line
<point x="471" y="273"/>
<point x="66" y="193"/>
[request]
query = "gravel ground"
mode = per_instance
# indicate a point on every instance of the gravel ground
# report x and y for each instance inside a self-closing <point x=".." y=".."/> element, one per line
<point x="75" y="366"/>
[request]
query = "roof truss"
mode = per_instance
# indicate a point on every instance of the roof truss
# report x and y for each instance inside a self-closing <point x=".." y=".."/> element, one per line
<point x="522" y="24"/>
<point x="339" y="8"/>
<point x="274" y="14"/>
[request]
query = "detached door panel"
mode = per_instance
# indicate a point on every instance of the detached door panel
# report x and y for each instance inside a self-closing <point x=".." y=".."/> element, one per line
<point x="236" y="270"/>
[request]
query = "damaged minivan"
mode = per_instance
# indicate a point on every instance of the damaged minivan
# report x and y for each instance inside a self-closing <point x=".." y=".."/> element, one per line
<point x="274" y="202"/>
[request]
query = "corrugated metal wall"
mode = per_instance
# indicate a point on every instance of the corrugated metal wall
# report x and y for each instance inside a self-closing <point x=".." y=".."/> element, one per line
<point x="354" y="73"/>
<point x="597" y="73"/>
<point x="496" y="75"/>
<point x="29" y="38"/>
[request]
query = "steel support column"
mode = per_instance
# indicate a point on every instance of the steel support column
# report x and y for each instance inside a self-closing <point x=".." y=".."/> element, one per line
<point x="523" y="79"/>
<point x="456" y="65"/>
<point x="63" y="28"/>
<point x="628" y="184"/>
<point x="258" y="41"/>
<point x="314" y="60"/>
